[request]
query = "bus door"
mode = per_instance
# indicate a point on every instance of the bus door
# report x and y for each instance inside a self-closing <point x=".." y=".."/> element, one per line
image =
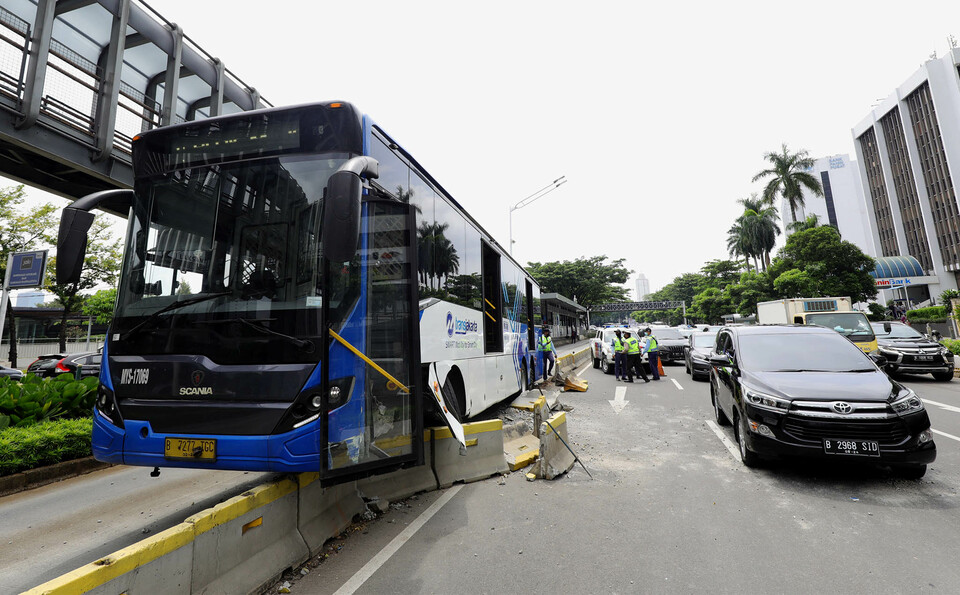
<point x="373" y="421"/>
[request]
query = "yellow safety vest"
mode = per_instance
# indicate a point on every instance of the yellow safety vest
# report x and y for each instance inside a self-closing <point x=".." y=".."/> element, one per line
<point x="633" y="346"/>
<point x="653" y="343"/>
<point x="617" y="345"/>
<point x="546" y="343"/>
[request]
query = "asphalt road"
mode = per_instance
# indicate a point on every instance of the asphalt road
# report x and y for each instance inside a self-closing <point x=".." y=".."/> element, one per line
<point x="670" y="510"/>
<point x="51" y="530"/>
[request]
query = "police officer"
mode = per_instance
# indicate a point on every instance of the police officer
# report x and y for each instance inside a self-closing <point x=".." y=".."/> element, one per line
<point x="547" y="352"/>
<point x="652" y="349"/>
<point x="619" y="356"/>
<point x="632" y="347"/>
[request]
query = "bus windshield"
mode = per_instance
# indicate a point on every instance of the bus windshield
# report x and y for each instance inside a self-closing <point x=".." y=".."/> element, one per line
<point x="853" y="325"/>
<point x="224" y="260"/>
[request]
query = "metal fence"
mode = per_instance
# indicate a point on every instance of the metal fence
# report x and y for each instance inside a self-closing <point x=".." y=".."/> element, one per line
<point x="27" y="352"/>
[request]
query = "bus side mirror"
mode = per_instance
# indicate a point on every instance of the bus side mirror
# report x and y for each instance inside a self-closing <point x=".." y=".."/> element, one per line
<point x="75" y="222"/>
<point x="72" y="244"/>
<point x="341" y="211"/>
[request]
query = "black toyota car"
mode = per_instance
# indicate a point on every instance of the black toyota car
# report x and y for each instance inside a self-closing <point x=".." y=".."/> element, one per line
<point x="698" y="354"/>
<point x="808" y="391"/>
<point x="908" y="351"/>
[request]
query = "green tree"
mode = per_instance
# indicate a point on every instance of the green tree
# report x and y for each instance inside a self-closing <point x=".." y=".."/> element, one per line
<point x="592" y="281"/>
<point x="835" y="267"/>
<point x="788" y="176"/>
<point x="100" y="266"/>
<point x="711" y="304"/>
<point x="752" y="289"/>
<point x="795" y="284"/>
<point x="719" y="273"/>
<point x="812" y="220"/>
<point x="21" y="232"/>
<point x="102" y="303"/>
<point x="760" y="224"/>
<point x="738" y="242"/>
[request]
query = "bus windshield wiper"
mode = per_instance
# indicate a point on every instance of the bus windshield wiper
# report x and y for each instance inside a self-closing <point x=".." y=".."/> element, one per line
<point x="174" y="306"/>
<point x="304" y="344"/>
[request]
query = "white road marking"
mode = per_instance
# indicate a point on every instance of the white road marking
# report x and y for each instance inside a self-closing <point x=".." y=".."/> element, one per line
<point x="951" y="436"/>
<point x="677" y="384"/>
<point x="618" y="402"/>
<point x="942" y="405"/>
<point x="357" y="580"/>
<point x="581" y="370"/>
<point x="726" y="441"/>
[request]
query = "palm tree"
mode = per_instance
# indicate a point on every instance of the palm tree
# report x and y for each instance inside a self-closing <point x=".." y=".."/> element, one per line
<point x="760" y="222"/>
<point x="788" y="178"/>
<point x="812" y="220"/>
<point x="738" y="242"/>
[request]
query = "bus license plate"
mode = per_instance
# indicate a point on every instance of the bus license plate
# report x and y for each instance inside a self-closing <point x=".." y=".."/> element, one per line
<point x="863" y="448"/>
<point x="194" y="449"/>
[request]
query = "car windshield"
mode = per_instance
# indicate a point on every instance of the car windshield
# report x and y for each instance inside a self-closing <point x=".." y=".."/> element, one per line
<point x="666" y="334"/>
<point x="795" y="352"/>
<point x="845" y="323"/>
<point x="704" y="339"/>
<point x="897" y="331"/>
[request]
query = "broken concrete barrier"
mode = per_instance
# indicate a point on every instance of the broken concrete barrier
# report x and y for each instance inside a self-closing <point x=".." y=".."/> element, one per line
<point x="555" y="458"/>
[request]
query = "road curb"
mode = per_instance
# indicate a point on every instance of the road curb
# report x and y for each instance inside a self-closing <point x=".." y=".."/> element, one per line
<point x="41" y="476"/>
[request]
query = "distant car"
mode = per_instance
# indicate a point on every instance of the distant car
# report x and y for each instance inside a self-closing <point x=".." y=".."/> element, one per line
<point x="807" y="391"/>
<point x="670" y="343"/>
<point x="908" y="351"/>
<point x="45" y="365"/>
<point x="697" y="356"/>
<point x="81" y="365"/>
<point x="601" y="343"/>
<point x="12" y="373"/>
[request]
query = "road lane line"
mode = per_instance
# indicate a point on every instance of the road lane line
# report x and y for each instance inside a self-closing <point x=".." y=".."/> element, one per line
<point x="581" y="370"/>
<point x="677" y="384"/>
<point x="957" y="438"/>
<point x="942" y="405"/>
<point x="726" y="441"/>
<point x="357" y="580"/>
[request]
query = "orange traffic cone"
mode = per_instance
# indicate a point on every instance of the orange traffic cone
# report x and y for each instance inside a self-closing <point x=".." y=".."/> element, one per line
<point x="660" y="367"/>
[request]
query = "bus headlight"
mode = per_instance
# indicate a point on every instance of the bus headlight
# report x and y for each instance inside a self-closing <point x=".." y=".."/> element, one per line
<point x="107" y="406"/>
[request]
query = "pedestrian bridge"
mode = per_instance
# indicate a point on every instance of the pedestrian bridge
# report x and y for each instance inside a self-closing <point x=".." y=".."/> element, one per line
<point x="80" y="78"/>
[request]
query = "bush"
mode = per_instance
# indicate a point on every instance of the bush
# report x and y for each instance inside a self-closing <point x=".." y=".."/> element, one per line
<point x="35" y="399"/>
<point x="44" y="443"/>
<point x="929" y="314"/>
<point x="951" y="344"/>
<point x="877" y="312"/>
<point x="945" y="298"/>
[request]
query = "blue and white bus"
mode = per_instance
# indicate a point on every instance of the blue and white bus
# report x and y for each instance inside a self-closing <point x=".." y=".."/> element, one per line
<point x="296" y="289"/>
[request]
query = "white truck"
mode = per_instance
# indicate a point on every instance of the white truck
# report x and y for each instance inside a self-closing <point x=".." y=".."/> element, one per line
<point x="831" y="312"/>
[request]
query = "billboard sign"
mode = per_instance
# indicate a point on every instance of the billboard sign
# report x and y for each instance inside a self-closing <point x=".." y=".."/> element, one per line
<point x="26" y="269"/>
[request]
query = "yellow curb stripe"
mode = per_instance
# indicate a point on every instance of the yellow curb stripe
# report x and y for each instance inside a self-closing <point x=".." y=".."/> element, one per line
<point x="93" y="575"/>
<point x="240" y="505"/>
<point x="557" y="420"/>
<point x="479" y="427"/>
<point x="522" y="460"/>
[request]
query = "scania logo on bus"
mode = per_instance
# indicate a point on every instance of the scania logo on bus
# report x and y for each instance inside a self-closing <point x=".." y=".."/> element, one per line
<point x="196" y="389"/>
<point x="459" y="326"/>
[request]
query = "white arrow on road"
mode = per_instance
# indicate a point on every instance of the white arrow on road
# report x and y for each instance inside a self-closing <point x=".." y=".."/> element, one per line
<point x="618" y="402"/>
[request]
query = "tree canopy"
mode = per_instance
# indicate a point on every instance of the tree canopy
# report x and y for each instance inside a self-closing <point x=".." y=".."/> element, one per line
<point x="592" y="281"/>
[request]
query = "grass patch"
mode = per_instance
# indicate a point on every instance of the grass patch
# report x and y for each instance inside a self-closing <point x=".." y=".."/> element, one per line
<point x="44" y="443"/>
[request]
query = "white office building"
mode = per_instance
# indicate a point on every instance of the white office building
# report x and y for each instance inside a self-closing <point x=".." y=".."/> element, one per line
<point x="842" y="204"/>
<point x="643" y="287"/>
<point x="908" y="154"/>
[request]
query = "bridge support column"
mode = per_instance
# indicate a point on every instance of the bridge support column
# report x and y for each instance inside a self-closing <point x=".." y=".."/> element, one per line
<point x="108" y="98"/>
<point x="37" y="63"/>
<point x="171" y="80"/>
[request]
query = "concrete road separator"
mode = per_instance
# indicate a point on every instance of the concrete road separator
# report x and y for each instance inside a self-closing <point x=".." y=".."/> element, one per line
<point x="555" y="458"/>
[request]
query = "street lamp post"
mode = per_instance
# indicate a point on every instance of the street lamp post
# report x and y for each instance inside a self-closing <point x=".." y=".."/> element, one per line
<point x="532" y="198"/>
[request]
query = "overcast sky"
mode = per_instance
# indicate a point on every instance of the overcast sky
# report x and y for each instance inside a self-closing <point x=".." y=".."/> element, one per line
<point x="658" y="114"/>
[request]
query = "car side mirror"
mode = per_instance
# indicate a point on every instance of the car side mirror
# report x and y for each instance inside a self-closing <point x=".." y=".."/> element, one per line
<point x="720" y="359"/>
<point x="886" y="327"/>
<point x="341" y="210"/>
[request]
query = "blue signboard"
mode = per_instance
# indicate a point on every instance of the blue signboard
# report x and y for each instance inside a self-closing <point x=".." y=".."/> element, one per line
<point x="27" y="268"/>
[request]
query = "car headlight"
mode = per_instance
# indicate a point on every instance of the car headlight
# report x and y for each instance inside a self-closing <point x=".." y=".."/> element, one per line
<point x="946" y="353"/>
<point x="765" y="401"/>
<point x="909" y="402"/>
<point x="889" y="350"/>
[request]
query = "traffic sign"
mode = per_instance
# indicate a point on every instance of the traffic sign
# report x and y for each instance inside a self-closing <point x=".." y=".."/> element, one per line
<point x="26" y="269"/>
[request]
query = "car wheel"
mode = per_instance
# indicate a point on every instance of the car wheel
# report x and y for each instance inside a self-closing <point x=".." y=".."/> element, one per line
<point x="912" y="471"/>
<point x="943" y="376"/>
<point x="596" y="362"/>
<point x="749" y="458"/>
<point x="718" y="413"/>
<point x="606" y="366"/>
